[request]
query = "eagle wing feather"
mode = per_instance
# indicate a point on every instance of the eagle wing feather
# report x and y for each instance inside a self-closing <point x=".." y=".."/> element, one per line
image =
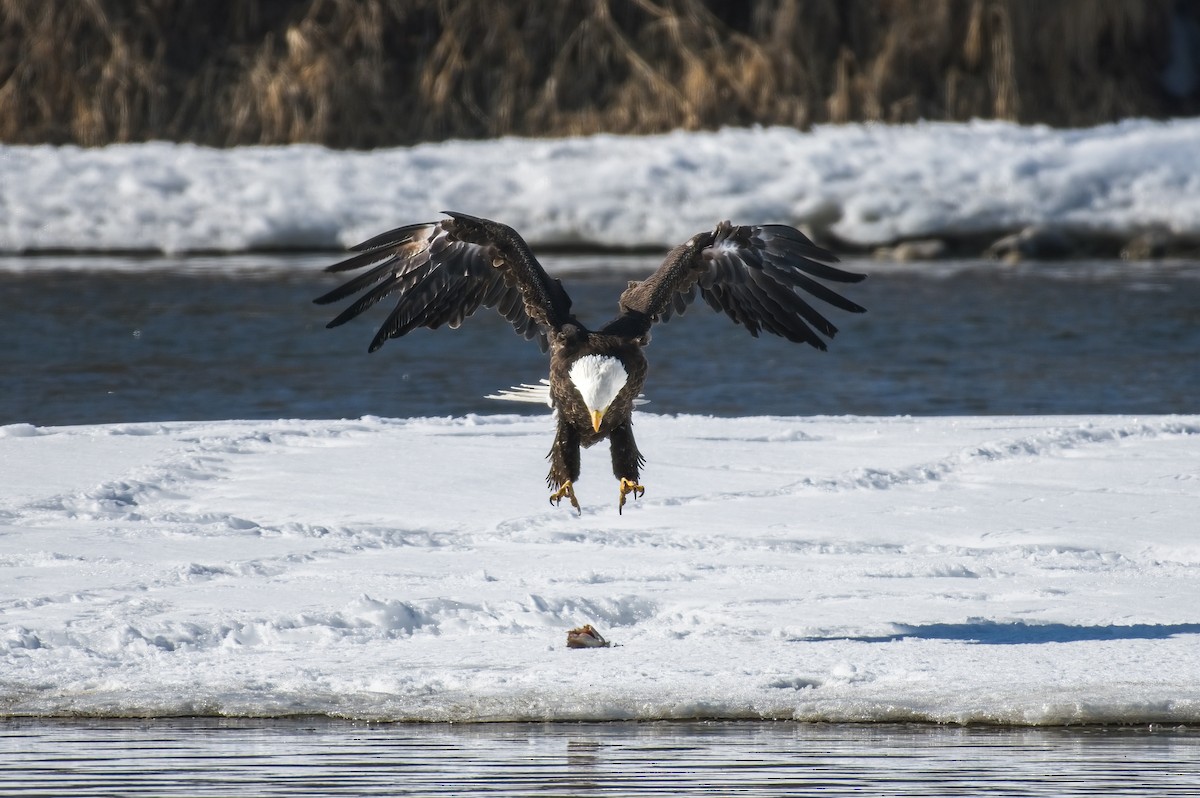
<point x="756" y="275"/>
<point x="442" y="272"/>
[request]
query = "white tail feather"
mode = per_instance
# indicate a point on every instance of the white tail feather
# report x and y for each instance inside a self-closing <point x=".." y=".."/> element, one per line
<point x="537" y="394"/>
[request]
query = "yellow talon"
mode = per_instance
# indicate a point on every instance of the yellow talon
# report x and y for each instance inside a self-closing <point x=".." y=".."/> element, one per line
<point x="569" y="491"/>
<point x="628" y="487"/>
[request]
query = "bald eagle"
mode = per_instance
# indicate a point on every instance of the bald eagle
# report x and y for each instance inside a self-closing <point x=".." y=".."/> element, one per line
<point x="444" y="271"/>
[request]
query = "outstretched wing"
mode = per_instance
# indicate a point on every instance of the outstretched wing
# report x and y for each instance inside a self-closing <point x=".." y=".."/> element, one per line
<point x="442" y="272"/>
<point x="755" y="275"/>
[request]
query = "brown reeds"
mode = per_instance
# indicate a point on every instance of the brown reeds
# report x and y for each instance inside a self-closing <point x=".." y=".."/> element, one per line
<point x="364" y="73"/>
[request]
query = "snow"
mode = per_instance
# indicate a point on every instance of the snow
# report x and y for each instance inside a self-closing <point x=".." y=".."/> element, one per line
<point x="867" y="184"/>
<point x="1026" y="570"/>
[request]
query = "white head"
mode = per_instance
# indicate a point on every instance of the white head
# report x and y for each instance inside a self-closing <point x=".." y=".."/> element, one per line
<point x="599" y="379"/>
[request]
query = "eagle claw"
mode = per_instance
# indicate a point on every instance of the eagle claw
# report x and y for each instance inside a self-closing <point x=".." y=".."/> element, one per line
<point x="627" y="487"/>
<point x="566" y="490"/>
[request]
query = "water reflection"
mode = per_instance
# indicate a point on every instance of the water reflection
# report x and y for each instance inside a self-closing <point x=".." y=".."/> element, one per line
<point x="199" y="757"/>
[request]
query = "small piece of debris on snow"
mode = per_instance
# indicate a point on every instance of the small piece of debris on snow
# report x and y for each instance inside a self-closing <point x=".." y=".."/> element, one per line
<point x="585" y="637"/>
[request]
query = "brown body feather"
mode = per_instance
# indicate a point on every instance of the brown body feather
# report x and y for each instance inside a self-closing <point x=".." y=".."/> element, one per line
<point x="574" y="420"/>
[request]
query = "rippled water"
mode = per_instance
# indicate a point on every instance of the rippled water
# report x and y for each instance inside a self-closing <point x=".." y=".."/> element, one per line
<point x="299" y="757"/>
<point x="164" y="339"/>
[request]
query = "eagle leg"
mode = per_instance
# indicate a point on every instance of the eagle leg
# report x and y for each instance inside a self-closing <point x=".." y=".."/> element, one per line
<point x="569" y="491"/>
<point x="564" y="465"/>
<point x="628" y="487"/>
<point x="626" y="461"/>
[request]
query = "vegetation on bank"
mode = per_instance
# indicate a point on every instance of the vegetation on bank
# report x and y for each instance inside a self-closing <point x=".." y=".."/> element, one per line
<point x="366" y="73"/>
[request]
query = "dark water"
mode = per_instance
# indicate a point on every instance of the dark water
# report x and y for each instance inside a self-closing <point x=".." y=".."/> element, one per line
<point x="302" y="758"/>
<point x="205" y="339"/>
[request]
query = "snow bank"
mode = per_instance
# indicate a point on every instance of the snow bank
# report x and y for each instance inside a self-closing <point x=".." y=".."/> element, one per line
<point x="867" y="185"/>
<point x="994" y="570"/>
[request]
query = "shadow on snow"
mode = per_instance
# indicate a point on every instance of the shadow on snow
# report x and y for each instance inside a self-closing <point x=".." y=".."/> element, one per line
<point x="996" y="633"/>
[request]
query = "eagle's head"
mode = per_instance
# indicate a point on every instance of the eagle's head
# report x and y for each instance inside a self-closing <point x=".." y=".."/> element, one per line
<point x="598" y="378"/>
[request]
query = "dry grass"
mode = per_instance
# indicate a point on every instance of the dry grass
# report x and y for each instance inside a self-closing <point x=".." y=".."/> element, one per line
<point x="363" y="73"/>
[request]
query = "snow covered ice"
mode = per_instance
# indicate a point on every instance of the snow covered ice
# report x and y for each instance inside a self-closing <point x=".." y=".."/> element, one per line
<point x="1030" y="570"/>
<point x="866" y="184"/>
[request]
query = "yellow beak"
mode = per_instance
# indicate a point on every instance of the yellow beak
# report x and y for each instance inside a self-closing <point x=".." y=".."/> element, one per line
<point x="597" y="416"/>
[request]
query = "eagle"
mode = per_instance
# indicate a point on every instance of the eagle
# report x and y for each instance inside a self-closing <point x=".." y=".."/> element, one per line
<point x="442" y="272"/>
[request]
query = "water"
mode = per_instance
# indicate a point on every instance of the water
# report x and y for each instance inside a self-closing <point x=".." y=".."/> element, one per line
<point x="305" y="758"/>
<point x="113" y="340"/>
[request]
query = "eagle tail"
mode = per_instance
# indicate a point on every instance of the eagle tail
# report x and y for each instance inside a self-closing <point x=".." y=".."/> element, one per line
<point x="537" y="394"/>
